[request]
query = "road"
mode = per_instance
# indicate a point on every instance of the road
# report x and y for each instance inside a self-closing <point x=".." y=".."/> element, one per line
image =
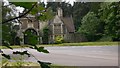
<point x="75" y="55"/>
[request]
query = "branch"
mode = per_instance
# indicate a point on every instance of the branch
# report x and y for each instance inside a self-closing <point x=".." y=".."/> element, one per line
<point x="19" y="21"/>
<point x="21" y="15"/>
<point x="7" y="5"/>
<point x="29" y="19"/>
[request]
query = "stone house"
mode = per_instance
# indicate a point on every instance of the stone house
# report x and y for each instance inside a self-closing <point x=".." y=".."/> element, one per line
<point x="59" y="26"/>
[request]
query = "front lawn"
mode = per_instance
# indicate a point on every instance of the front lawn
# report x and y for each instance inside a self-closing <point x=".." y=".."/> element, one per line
<point x="70" y="44"/>
<point x="14" y="46"/>
<point x="84" y="44"/>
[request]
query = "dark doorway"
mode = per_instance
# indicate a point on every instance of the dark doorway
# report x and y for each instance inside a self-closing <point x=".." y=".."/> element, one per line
<point x="30" y="34"/>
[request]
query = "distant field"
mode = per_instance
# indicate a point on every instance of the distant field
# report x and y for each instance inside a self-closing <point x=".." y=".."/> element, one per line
<point x="71" y="44"/>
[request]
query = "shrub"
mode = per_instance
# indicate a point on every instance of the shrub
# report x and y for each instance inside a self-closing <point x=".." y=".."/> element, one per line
<point x="106" y="38"/>
<point x="58" y="40"/>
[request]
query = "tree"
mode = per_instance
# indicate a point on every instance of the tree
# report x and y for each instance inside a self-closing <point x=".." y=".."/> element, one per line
<point x="45" y="35"/>
<point x="89" y="26"/>
<point x="78" y="10"/>
<point x="34" y="8"/>
<point x="81" y="9"/>
<point x="66" y="7"/>
<point x="110" y="15"/>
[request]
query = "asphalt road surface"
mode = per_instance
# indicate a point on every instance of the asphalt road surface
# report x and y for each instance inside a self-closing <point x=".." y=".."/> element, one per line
<point x="75" y="55"/>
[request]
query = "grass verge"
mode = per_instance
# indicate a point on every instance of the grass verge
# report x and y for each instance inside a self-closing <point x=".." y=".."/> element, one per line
<point x="13" y="46"/>
<point x="84" y="44"/>
<point x="70" y="44"/>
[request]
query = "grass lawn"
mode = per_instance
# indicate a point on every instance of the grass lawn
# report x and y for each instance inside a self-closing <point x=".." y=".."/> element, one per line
<point x="16" y="64"/>
<point x="84" y="44"/>
<point x="14" y="46"/>
<point x="71" y="44"/>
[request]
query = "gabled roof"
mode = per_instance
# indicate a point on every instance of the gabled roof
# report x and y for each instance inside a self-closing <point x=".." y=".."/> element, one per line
<point x="57" y="19"/>
<point x="68" y="21"/>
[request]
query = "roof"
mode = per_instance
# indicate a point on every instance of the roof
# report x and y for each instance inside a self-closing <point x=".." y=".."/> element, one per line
<point x="68" y="21"/>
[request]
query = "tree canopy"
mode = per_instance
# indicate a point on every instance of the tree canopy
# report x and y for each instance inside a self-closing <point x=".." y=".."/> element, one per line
<point x="9" y="19"/>
<point x="104" y="23"/>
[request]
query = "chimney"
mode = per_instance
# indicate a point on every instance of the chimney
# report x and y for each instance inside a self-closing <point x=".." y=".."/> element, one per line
<point x="60" y="12"/>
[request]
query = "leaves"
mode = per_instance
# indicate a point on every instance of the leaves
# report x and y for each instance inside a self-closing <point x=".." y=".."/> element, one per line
<point x="35" y="9"/>
<point x="22" y="53"/>
<point x="46" y="32"/>
<point x="110" y="16"/>
<point x="90" y="26"/>
<point x="6" y="56"/>
<point x="44" y="64"/>
<point x="26" y="5"/>
<point x="31" y="37"/>
<point x="58" y="39"/>
<point x="41" y="49"/>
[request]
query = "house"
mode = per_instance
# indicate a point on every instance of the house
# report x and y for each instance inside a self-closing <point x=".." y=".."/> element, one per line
<point x="60" y="26"/>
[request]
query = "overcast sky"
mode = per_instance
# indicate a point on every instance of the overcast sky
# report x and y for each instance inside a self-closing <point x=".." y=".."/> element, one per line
<point x="45" y="1"/>
<point x="20" y="9"/>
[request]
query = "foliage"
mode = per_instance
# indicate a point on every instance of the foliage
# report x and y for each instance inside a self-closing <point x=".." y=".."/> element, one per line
<point x="45" y="35"/>
<point x="6" y="10"/>
<point x="44" y="64"/>
<point x="26" y="5"/>
<point x="6" y="34"/>
<point x="22" y="53"/>
<point x="105" y="38"/>
<point x="110" y="15"/>
<point x="78" y="10"/>
<point x="39" y="10"/>
<point x="81" y="9"/>
<point x="91" y="22"/>
<point x="34" y="8"/>
<point x="90" y="26"/>
<point x="40" y="49"/>
<point x="58" y="40"/>
<point x="6" y="56"/>
<point x="31" y="37"/>
<point x="107" y="24"/>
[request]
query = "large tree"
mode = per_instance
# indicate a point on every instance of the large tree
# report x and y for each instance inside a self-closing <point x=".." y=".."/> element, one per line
<point x="81" y="9"/>
<point x="110" y="15"/>
<point x="89" y="26"/>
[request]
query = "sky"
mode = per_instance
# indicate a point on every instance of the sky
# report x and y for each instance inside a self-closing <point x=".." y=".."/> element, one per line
<point x="20" y="9"/>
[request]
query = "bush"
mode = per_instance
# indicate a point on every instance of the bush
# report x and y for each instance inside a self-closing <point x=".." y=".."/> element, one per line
<point x="106" y="38"/>
<point x="58" y="40"/>
<point x="45" y="35"/>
